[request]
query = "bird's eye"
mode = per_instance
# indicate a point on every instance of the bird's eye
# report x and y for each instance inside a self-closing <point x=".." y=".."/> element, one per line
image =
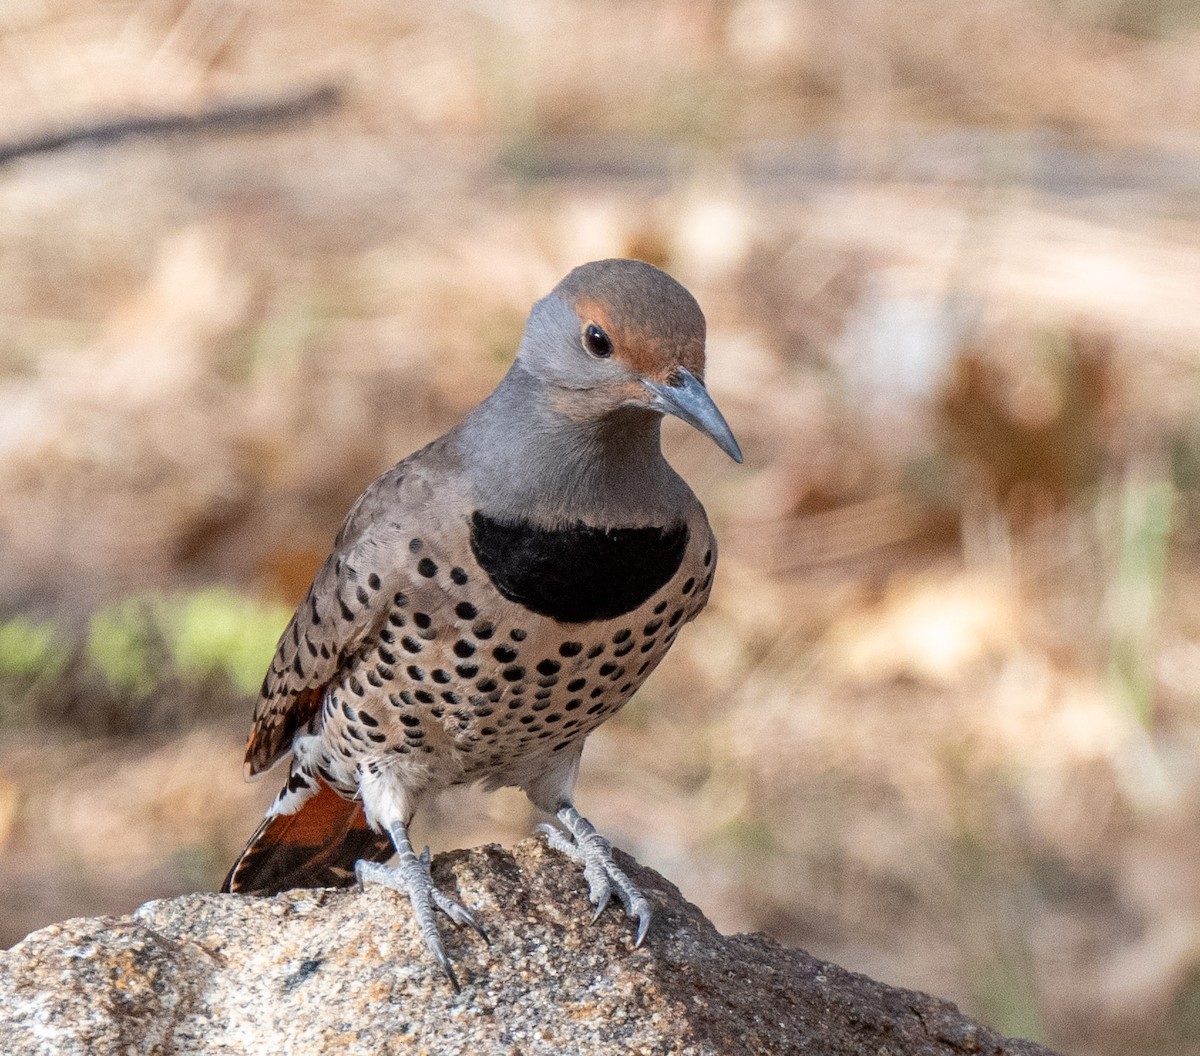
<point x="597" y="342"/>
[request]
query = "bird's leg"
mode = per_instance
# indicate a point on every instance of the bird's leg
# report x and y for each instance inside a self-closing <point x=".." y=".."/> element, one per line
<point x="411" y="876"/>
<point x="603" y="875"/>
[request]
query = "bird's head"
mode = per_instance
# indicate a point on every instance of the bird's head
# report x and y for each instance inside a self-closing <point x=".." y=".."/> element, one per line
<point x="621" y="334"/>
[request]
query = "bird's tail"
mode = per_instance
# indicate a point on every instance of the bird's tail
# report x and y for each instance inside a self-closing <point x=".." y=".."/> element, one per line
<point x="316" y="845"/>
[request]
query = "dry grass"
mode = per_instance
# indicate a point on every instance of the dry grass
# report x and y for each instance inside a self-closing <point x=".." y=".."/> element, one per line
<point x="940" y="721"/>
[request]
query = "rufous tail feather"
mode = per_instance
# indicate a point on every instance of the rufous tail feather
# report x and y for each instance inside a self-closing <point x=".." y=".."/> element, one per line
<point x="315" y="847"/>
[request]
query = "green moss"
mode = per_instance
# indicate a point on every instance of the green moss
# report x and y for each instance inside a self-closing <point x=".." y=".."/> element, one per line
<point x="119" y="646"/>
<point x="192" y="638"/>
<point x="30" y="650"/>
<point x="219" y="632"/>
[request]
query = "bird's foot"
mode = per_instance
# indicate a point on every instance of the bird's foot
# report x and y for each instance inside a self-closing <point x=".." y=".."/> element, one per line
<point x="410" y="876"/>
<point x="604" y="877"/>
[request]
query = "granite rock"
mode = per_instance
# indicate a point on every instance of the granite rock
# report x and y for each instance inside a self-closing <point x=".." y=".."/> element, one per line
<point x="345" y="972"/>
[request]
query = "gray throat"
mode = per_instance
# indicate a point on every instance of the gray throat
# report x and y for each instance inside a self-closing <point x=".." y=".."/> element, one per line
<point x="527" y="462"/>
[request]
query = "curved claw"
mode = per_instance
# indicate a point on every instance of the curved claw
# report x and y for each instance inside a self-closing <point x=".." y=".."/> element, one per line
<point x="601" y="901"/>
<point x="459" y="913"/>
<point x="440" y="956"/>
<point x="643" y="918"/>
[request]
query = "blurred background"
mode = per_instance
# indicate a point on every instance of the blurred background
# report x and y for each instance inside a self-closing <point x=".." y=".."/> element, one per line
<point x="941" y="721"/>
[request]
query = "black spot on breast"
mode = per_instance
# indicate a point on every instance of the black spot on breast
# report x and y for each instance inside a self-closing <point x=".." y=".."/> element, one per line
<point x="463" y="648"/>
<point x="580" y="573"/>
<point x="504" y="654"/>
<point x="548" y="667"/>
<point x="465" y="610"/>
<point x="570" y="649"/>
<point x="422" y="619"/>
<point x="458" y="575"/>
<point x="427" y="567"/>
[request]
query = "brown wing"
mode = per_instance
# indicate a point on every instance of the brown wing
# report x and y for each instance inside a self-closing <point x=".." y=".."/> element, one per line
<point x="346" y="602"/>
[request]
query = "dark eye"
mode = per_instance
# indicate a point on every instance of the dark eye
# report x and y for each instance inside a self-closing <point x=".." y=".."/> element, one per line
<point x="596" y="341"/>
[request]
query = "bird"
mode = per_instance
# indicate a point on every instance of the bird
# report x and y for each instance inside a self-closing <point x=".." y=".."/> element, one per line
<point x="491" y="600"/>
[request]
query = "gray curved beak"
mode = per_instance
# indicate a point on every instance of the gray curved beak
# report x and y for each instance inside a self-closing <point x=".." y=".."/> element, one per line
<point x="689" y="400"/>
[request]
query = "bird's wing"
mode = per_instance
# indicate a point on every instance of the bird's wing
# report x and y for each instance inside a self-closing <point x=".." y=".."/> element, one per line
<point x="347" y="601"/>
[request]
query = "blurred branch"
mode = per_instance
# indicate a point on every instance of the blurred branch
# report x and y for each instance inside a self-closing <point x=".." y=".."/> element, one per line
<point x="230" y="117"/>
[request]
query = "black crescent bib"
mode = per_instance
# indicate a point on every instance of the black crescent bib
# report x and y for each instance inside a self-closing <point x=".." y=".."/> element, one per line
<point x="580" y="573"/>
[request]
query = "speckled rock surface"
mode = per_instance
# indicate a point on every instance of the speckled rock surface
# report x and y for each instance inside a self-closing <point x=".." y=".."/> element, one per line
<point x="345" y="972"/>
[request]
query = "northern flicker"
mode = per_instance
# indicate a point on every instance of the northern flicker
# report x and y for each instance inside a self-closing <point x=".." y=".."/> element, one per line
<point x="492" y="599"/>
